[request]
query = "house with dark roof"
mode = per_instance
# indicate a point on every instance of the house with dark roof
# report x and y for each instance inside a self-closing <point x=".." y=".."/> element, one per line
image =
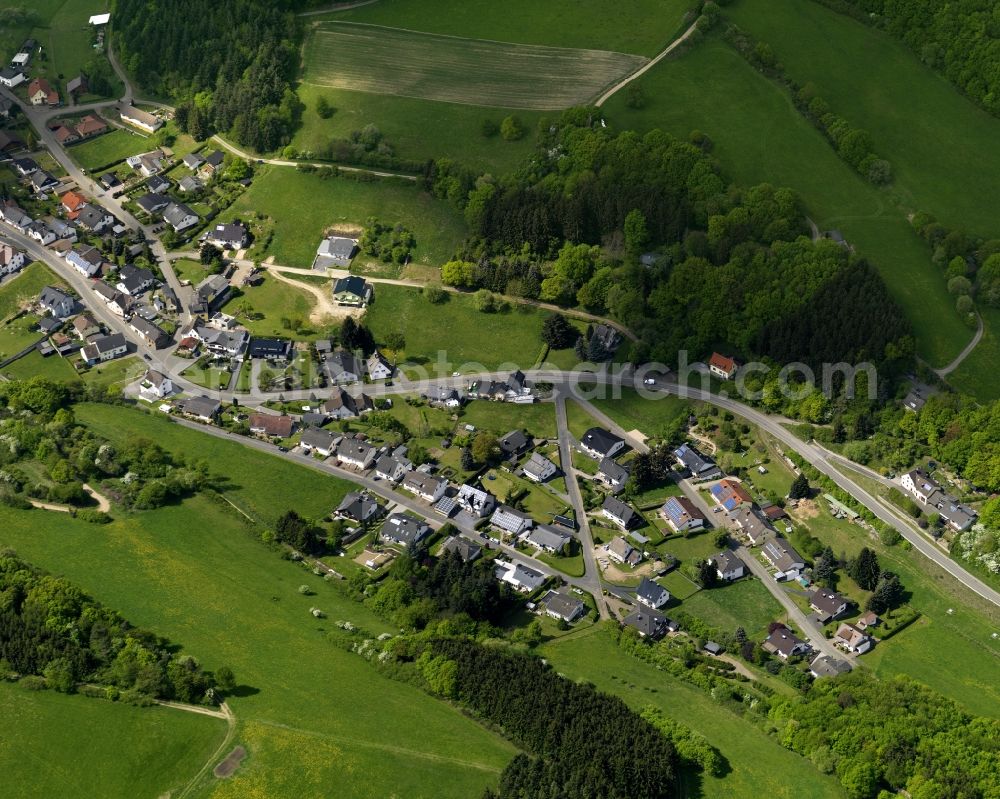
<point x="612" y="474"/>
<point x="927" y="491"/>
<point x="700" y="466"/>
<point x="620" y="513"/>
<point x="730" y="494"/>
<point x="228" y="236"/>
<point x="379" y="367"/>
<point x="11" y="76"/>
<point x="652" y="595"/>
<point x="342" y="405"/>
<point x="511" y="520"/>
<point x="650" y="625"/>
<point x="322" y="442"/>
<point x="728" y="565"/>
<point x="391" y="468"/>
<point x="110" y="180"/>
<point x="621" y="551"/>
<point x="358" y="506"/>
<point x="158" y="184"/>
<point x="514" y="443"/>
<point x="751" y="525"/>
<point x="151" y="333"/>
<point x="599" y="443"/>
<point x="57" y="302"/>
<point x="94" y="218"/>
<point x="335" y="251"/>
<point x="426" y="486"/>
<point x="682" y="515"/>
<point x="722" y="366"/>
<point x="463" y="547"/>
<point x="352" y="291"/>
<point x="134" y="280"/>
<point x="189" y="184"/>
<point x="562" y="606"/>
<point x="203" y="408"/>
<point x="783" y="557"/>
<point x="356" y="454"/>
<point x="343" y="367"/>
<point x="826" y="666"/>
<point x="827" y="604"/>
<point x="784" y="643"/>
<point x="443" y="396"/>
<point x="105" y="348"/>
<point x="523" y="578"/>
<point x="180" y="217"/>
<point x="270" y="348"/>
<point x="547" y="539"/>
<point x="270" y="425"/>
<point x="404" y="530"/>
<point x="192" y="161"/>
<point x="42" y="182"/>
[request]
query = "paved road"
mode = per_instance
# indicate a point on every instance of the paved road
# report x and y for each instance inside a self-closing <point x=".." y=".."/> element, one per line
<point x="812" y="631"/>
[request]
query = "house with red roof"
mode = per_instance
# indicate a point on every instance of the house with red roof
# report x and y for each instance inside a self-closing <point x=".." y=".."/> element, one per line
<point x="41" y="93"/>
<point x="722" y="366"/>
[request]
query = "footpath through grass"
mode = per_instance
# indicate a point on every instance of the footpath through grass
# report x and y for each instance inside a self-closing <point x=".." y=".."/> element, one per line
<point x="760" y="137"/>
<point x="97" y="748"/>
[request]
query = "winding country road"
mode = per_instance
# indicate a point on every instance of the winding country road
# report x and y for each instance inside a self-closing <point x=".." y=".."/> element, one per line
<point x="946" y="370"/>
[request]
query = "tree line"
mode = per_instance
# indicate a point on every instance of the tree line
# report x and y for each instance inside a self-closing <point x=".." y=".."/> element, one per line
<point x="228" y="65"/>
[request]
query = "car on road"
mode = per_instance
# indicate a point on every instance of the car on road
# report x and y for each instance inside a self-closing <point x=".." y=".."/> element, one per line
<point x="146" y="356"/>
<point x="649" y="381"/>
<point x="282" y="449"/>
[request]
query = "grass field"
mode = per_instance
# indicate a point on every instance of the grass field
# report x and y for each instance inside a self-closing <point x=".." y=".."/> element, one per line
<point x="745" y="603"/>
<point x="501" y="417"/>
<point x="116" y="373"/>
<point x="472" y="341"/>
<point x="109" y="148"/>
<point x="978" y="374"/>
<point x="274" y="301"/>
<point x="759" y="136"/>
<point x="108" y="750"/>
<point x="26" y="286"/>
<point x="636" y="26"/>
<point x="304" y="205"/>
<point x="650" y="417"/>
<point x="578" y="421"/>
<point x="416" y="129"/>
<point x="17" y="334"/>
<point x="406" y="63"/>
<point x="759" y="765"/>
<point x="54" y="367"/>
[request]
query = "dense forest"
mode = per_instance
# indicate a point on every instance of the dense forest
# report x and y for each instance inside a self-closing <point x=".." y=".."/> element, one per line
<point x="50" y="628"/>
<point x="227" y="65"/>
<point x="959" y="39"/>
<point x="893" y="734"/>
<point x="734" y="269"/>
<point x="583" y="744"/>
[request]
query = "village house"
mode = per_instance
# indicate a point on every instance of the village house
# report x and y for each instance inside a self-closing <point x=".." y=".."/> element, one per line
<point x="134" y="280"/>
<point x="146" y="164"/>
<point x="355" y="454"/>
<point x="140" y="119"/>
<point x="927" y="491"/>
<point x="342" y="405"/>
<point x="204" y="409"/>
<point x="652" y="595"/>
<point x="475" y="501"/>
<point x="94" y="218"/>
<point x="180" y="217"/>
<point x="11" y="260"/>
<point x="751" y="525"/>
<point x="155" y="386"/>
<point x="783" y="557"/>
<point x="619" y="512"/>
<point x="149" y="332"/>
<point x="852" y="639"/>
<point x="192" y="161"/>
<point x="599" y="443"/>
<point x="335" y="251"/>
<point x="443" y="396"/>
<point x="57" y="302"/>
<point x="548" y="539"/>
<point x="699" y="466"/>
<point x="866" y="620"/>
<point x="465" y="549"/>
<point x="42" y="182"/>
<point x="77" y="86"/>
<point x="11" y="76"/>
<point x="271" y="349"/>
<point x="211" y="294"/>
<point x="270" y="425"/>
<point x="784" y="643"/>
<point x="649" y="624"/>
<point x="523" y="579"/>
<point x="722" y="366"/>
<point x="827" y="604"/>
<point x="343" y="367"/>
<point x="612" y="474"/>
<point x="222" y="343"/>
<point x="91" y="125"/>
<point x="730" y="495"/>
<point x="728" y="565"/>
<point x="189" y="184"/>
<point x="358" y="506"/>
<point x="562" y="606"/>
<point x="426" y="486"/>
<point x="322" y="442"/>
<point x="538" y="468"/>
<point x="682" y="515"/>
<point x="352" y="291"/>
<point x="514" y="443"/>
<point x="230" y="236"/>
<point x="41" y="93"/>
<point x="621" y="551"/>
<point x="404" y="530"/>
<point x="391" y="468"/>
<point x="510" y="520"/>
<point x="379" y="367"/>
<point x="212" y="163"/>
<point x="65" y="135"/>
<point x="826" y="666"/>
<point x="105" y="348"/>
<point x="158" y="184"/>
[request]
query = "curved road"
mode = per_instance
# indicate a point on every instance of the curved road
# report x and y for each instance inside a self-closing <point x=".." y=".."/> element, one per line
<point x="944" y="371"/>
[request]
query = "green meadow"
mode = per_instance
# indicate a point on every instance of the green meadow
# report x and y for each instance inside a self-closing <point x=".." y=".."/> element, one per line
<point x="98" y="748"/>
<point x="759" y="137"/>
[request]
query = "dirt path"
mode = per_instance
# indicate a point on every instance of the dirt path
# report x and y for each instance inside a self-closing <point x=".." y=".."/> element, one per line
<point x="646" y="67"/>
<point x="103" y="504"/>
<point x="35" y="503"/>
<point x="944" y="371"/>
<point x="223" y="712"/>
<point x="337" y="7"/>
<point x="325" y="308"/>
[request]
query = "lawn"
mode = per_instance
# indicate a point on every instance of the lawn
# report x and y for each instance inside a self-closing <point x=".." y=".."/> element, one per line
<point x="468" y="340"/>
<point x="304" y="205"/>
<point x="746" y="603"/>
<point x="578" y="420"/>
<point x="17" y="334"/>
<point x="259" y="485"/>
<point x="116" y="373"/>
<point x="978" y="374"/>
<point x="759" y="765"/>
<point x="55" y="367"/>
<point x="417" y="130"/>
<point x="406" y="63"/>
<point x="25" y="287"/>
<point x="189" y="270"/>
<point x="759" y="136"/>
<point x="679" y="586"/>
<point x="636" y="26"/>
<point x="272" y="301"/>
<point x="315" y="718"/>
<point x="104" y="749"/>
<point x="650" y="416"/>
<point x="109" y="148"/>
<point x="573" y="566"/>
<point x="538" y="419"/>
<point x="69" y="38"/>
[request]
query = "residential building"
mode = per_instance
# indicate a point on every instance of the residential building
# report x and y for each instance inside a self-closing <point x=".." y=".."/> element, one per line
<point x="222" y="343"/>
<point x="342" y="405"/>
<point x="65" y="135"/>
<point x="230" y="236"/>
<point x="158" y="184"/>
<point x="619" y="512"/>
<point x="649" y="624"/>
<point x="105" y="348"/>
<point x="212" y="293"/>
<point x="343" y="367"/>
<point x="379" y="367"/>
<point x="77" y="86"/>
<point x="42" y="182"/>
<point x="404" y="530"/>
<point x="40" y="232"/>
<point x="270" y="425"/>
<point x="335" y="251"/>
<point x="323" y="442"/>
<point x="25" y="166"/>
<point x="426" y="486"/>
<point x="72" y="202"/>
<point x="94" y="218"/>
<point x="599" y="443"/>
<point x="621" y="551"/>
<point x="392" y="469"/>
<point x="783" y="557"/>
<point x="510" y="520"/>
<point x="356" y="454"/>
<point x="784" y="643"/>
<point x="213" y="162"/>
<point x="273" y="349"/>
<point x="927" y="491"/>
<point x="728" y="565"/>
<point x="140" y="119"/>
<point x="189" y="184"/>
<point x="607" y="338"/>
<point x="203" y="408"/>
<point x="56" y="302"/>
<point x="539" y="468"/>
<point x="146" y="164"/>
<point x="866" y="620"/>
<point x="548" y="539"/>
<point x="722" y="366"/>
<point x="352" y="291"/>
<point x="193" y="161"/>
<point x="180" y="217"/>
<point x="754" y="527"/>
<point x="91" y="125"/>
<point x="730" y="494"/>
<point x="155" y="386"/>
<point x="463" y="547"/>
<point x="612" y="474"/>
<point x="151" y="333"/>
<point x="134" y="280"/>
<point x="358" y="506"/>
<point x="826" y="666"/>
<point x="11" y="76"/>
<point x="11" y="260"/>
<point x="523" y="579"/>
<point x="514" y="443"/>
<point x="443" y="396"/>
<point x="682" y="515"/>
<point x="852" y="639"/>
<point x="652" y="595"/>
<point x="562" y="606"/>
<point x="827" y="604"/>
<point x="41" y="93"/>
<point x="699" y="466"/>
<point x="153" y="203"/>
<point x="475" y="501"/>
